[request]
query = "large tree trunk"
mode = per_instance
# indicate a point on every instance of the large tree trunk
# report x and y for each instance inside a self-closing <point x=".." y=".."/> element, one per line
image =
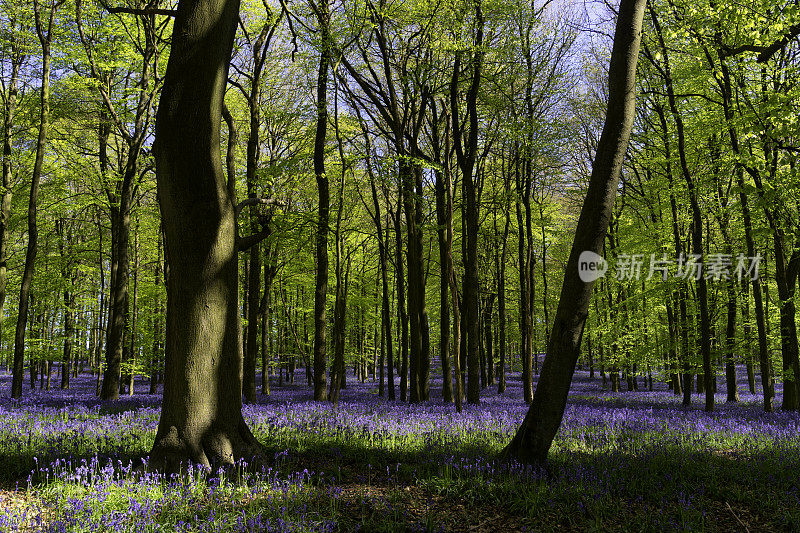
<point x="534" y="437"/>
<point x="201" y="415"/>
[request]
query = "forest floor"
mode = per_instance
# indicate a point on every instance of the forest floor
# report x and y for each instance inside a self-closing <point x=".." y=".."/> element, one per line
<point x="630" y="461"/>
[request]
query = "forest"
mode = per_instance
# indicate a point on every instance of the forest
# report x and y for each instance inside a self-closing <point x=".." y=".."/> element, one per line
<point x="399" y="265"/>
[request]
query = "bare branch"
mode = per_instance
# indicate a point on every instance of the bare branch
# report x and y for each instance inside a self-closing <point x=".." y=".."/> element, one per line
<point x="134" y="11"/>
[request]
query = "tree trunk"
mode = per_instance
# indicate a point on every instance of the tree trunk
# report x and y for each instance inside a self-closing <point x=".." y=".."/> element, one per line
<point x="697" y="225"/>
<point x="33" y="229"/>
<point x="251" y="345"/>
<point x="402" y="316"/>
<point x="339" y="329"/>
<point x="9" y="113"/>
<point x="533" y="439"/>
<point x="466" y="154"/>
<point x="501" y="302"/>
<point x="69" y="300"/>
<point x="156" y="318"/>
<point x="488" y="339"/>
<point x="132" y="330"/>
<point x="201" y="419"/>
<point x="323" y="221"/>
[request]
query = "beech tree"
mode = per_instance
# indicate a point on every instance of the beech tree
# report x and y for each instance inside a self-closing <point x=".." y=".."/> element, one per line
<point x="532" y="441"/>
<point x="201" y="416"/>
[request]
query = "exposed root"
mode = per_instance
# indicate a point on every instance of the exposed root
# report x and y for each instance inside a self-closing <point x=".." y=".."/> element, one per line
<point x="218" y="448"/>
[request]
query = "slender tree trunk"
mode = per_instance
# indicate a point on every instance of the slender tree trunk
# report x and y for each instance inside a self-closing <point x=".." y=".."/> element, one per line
<point x="413" y="255"/>
<point x="33" y="229"/>
<point x="9" y="113"/>
<point x="467" y="156"/>
<point x="339" y="329"/>
<point x="697" y="226"/>
<point x="132" y="341"/>
<point x="444" y="287"/>
<point x="156" y="318"/>
<point x="533" y="439"/>
<point x="69" y="301"/>
<point x="323" y="221"/>
<point x="761" y="326"/>
<point x="501" y="297"/>
<point x="488" y="339"/>
<point x="525" y="325"/>
<point x="253" y="308"/>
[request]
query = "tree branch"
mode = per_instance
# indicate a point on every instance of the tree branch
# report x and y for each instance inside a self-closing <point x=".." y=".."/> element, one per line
<point x="134" y="11"/>
<point x="245" y="243"/>
<point x="256" y="201"/>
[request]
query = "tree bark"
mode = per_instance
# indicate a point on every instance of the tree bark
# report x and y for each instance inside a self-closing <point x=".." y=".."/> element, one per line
<point x="535" y="436"/>
<point x="323" y="220"/>
<point x="201" y="415"/>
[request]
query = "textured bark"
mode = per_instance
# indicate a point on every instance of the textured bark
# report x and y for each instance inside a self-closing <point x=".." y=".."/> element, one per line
<point x="201" y="419"/>
<point x="534" y="437"/>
